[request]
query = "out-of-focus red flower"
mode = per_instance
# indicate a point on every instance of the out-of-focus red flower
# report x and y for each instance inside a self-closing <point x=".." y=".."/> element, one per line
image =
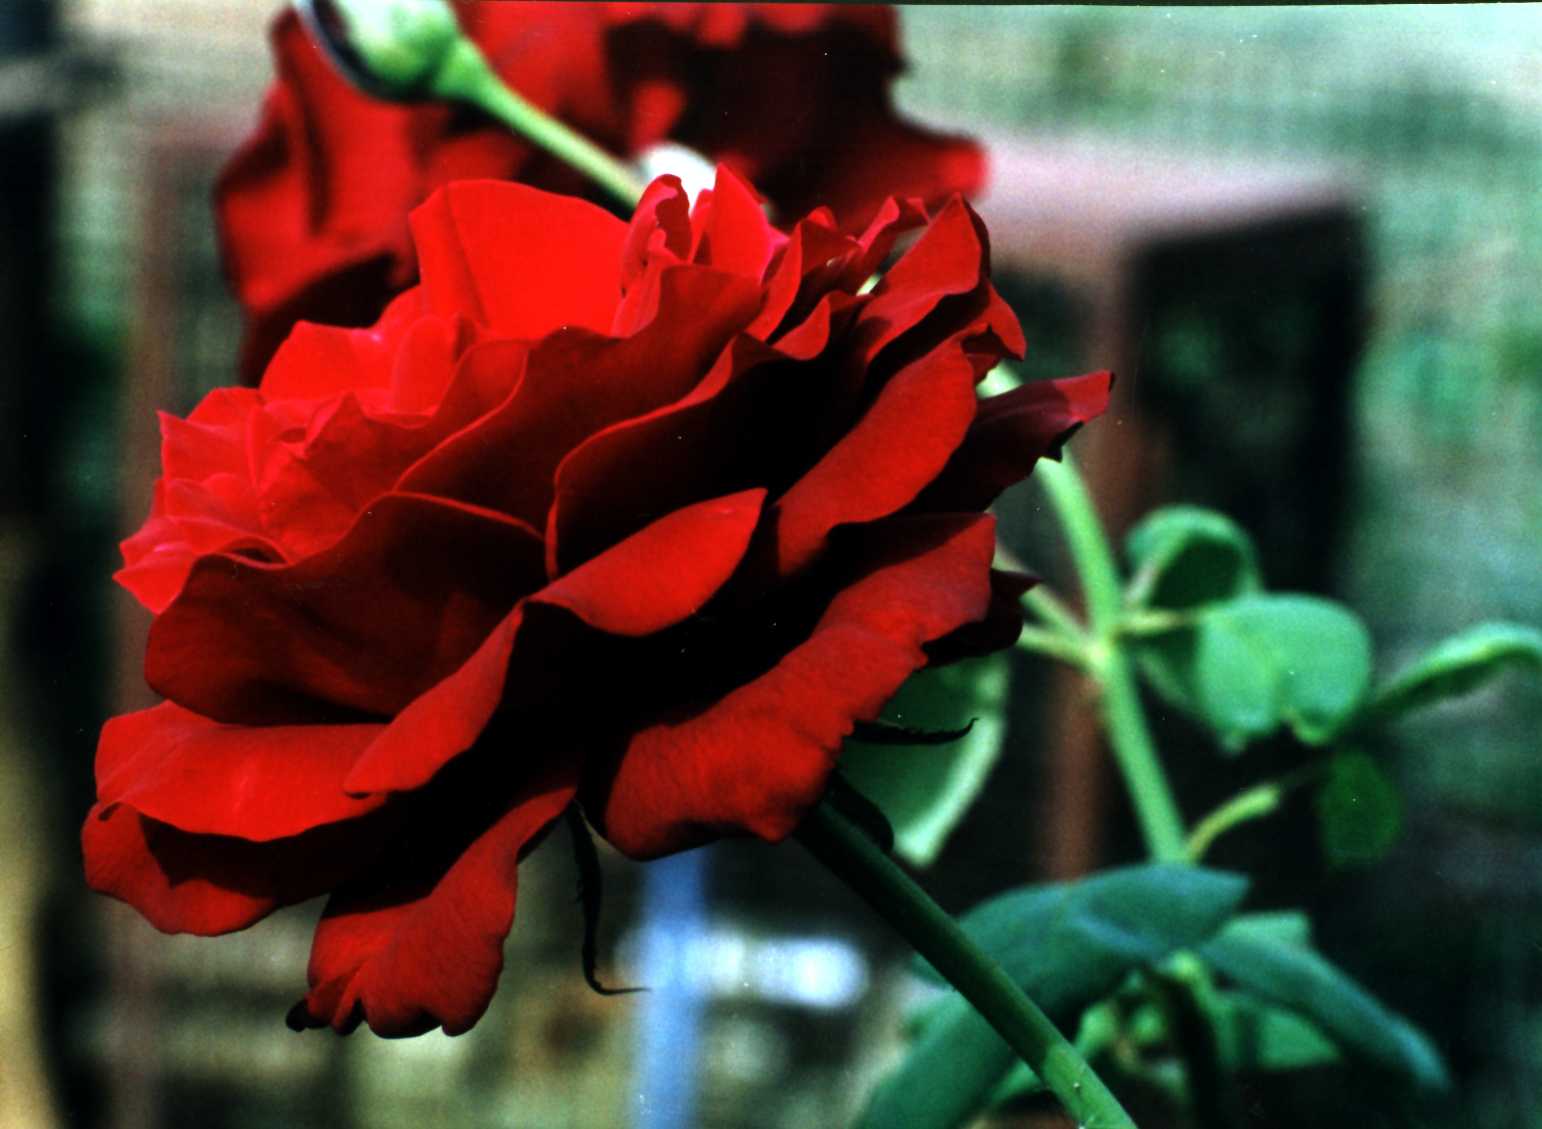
<point x="313" y="207"/>
<point x="648" y="516"/>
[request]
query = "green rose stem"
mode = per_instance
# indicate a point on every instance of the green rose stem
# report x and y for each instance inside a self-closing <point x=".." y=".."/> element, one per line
<point x="1119" y="698"/>
<point x="466" y="76"/>
<point x="854" y="857"/>
<point x="1260" y="800"/>
<point x="1151" y="794"/>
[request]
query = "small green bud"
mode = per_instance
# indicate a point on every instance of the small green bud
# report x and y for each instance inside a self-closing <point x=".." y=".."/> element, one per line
<point x="393" y="49"/>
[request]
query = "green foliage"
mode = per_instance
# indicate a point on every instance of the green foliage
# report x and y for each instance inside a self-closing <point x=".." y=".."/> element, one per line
<point x="1101" y="926"/>
<point x="949" y="1075"/>
<point x="925" y="790"/>
<point x="1186" y="556"/>
<point x="1067" y="946"/>
<point x="1359" y="810"/>
<point x="1459" y="665"/>
<point x="1277" y="967"/>
<point x="1257" y="1037"/>
<point x="1246" y="666"/>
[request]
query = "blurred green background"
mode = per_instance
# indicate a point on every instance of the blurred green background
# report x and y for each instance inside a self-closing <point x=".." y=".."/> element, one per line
<point x="1433" y="118"/>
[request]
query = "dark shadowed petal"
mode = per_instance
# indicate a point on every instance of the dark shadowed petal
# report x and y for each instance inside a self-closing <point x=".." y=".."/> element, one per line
<point x="210" y="884"/>
<point x="419" y="944"/>
<point x="898" y="446"/>
<point x="650" y="581"/>
<point x="1010" y="433"/>
<point x="398" y="604"/>
<point x="1002" y="624"/>
<point x="578" y="382"/>
<point x="951" y="258"/>
<point x="757" y="758"/>
<point x="665" y="572"/>
<point x="746" y="424"/>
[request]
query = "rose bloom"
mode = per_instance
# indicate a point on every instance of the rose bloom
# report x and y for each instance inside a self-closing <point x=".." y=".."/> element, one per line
<point x="646" y="517"/>
<point x="313" y="208"/>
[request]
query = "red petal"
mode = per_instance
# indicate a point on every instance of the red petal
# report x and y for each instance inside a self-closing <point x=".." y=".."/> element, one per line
<point x="660" y="228"/>
<point x="199" y="776"/>
<point x="408" y="952"/>
<point x="311" y="208"/>
<point x="952" y="257"/>
<point x="757" y="758"/>
<point x="576" y="383"/>
<point x="1002" y="624"/>
<point x="209" y="884"/>
<point x="746" y="423"/>
<point x="518" y="260"/>
<point x="439" y="725"/>
<point x="651" y="581"/>
<point x="889" y="157"/>
<point x="666" y="572"/>
<point x="399" y="603"/>
<point x="212" y="440"/>
<point x="156" y="560"/>
<point x="734" y="233"/>
<point x="898" y="446"/>
<point x="1011" y="433"/>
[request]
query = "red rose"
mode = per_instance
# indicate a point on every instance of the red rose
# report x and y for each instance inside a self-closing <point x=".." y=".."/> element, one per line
<point x="645" y="515"/>
<point x="313" y="208"/>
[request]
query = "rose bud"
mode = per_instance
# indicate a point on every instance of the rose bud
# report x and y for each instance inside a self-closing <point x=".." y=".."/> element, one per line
<point x="645" y="516"/>
<point x="393" y="49"/>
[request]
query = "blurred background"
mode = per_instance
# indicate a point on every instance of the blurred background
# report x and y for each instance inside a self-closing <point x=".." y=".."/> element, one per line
<point x="1309" y="240"/>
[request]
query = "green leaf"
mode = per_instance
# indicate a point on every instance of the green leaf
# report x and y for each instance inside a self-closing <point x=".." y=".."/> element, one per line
<point x="1294" y="977"/>
<point x="1184" y="557"/>
<point x="1054" y="939"/>
<point x="1067" y="946"/>
<point x="1281" y="927"/>
<point x="925" y="790"/>
<point x="1020" y="1082"/>
<point x="1359" y="811"/>
<point x="1260" y="1037"/>
<point x="1459" y="665"/>
<point x="1245" y="667"/>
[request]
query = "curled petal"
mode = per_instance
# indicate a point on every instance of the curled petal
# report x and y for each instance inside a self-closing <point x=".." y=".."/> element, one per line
<point x="520" y="261"/>
<point x="1010" y="433"/>
<point x="419" y="944"/>
<point x="755" y="759"/>
<point x="650" y="581"/>
<point x="732" y="231"/>
<point x="366" y="626"/>
<point x="898" y="446"/>
<point x="1002" y="624"/>
<point x="577" y="383"/>
<point x="950" y="260"/>
<point x="212" y="884"/>
<point x="256" y="783"/>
